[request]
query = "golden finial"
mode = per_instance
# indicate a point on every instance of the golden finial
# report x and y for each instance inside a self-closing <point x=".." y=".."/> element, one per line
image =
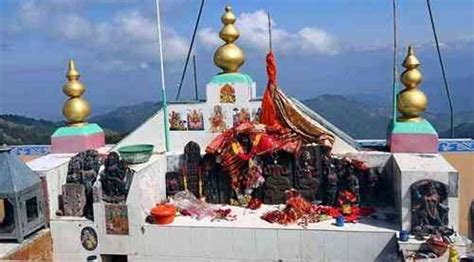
<point x="76" y="109"/>
<point x="229" y="57"/>
<point x="411" y="101"/>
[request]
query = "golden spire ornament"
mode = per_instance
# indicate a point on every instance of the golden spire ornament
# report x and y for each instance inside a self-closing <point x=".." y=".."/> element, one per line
<point x="76" y="109"/>
<point x="229" y="57"/>
<point x="411" y="101"/>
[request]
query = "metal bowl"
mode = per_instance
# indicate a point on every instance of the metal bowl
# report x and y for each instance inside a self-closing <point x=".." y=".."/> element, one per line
<point x="136" y="154"/>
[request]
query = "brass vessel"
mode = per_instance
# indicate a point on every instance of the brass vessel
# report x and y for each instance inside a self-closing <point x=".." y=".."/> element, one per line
<point x="76" y="109"/>
<point x="229" y="57"/>
<point x="411" y="101"/>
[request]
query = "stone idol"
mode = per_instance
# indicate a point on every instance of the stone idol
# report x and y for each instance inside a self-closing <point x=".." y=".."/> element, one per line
<point x="77" y="195"/>
<point x="116" y="179"/>
<point x="429" y="208"/>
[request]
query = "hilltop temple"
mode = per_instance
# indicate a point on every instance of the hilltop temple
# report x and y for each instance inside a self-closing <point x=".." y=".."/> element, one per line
<point x="236" y="177"/>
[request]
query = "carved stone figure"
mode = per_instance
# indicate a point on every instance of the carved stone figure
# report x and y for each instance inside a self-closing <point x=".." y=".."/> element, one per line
<point x="306" y="180"/>
<point x="275" y="185"/>
<point x="174" y="183"/>
<point x="429" y="208"/>
<point x="368" y="186"/>
<point x="348" y="181"/>
<point x="217" y="188"/>
<point x="191" y="168"/>
<point x="73" y="199"/>
<point x="330" y="181"/>
<point x="115" y="179"/>
<point x="83" y="169"/>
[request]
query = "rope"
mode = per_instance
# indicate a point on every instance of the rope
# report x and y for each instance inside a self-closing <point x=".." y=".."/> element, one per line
<point x="446" y="87"/>
<point x="190" y="49"/>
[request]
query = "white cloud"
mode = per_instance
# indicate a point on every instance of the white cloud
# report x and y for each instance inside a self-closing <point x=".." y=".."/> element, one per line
<point x="254" y="35"/>
<point x="128" y="37"/>
<point x="314" y="41"/>
<point x="209" y="38"/>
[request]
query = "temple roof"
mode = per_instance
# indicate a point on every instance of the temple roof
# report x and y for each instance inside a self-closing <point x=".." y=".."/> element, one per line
<point x="15" y="176"/>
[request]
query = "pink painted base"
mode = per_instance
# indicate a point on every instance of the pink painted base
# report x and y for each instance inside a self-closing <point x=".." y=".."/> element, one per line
<point x="413" y="143"/>
<point x="76" y="144"/>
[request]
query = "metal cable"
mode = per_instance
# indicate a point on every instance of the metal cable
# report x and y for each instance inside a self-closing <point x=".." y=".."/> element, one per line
<point x="190" y="49"/>
<point x="196" y="93"/>
<point x="269" y="32"/>
<point x="448" y="93"/>
<point x="395" y="62"/>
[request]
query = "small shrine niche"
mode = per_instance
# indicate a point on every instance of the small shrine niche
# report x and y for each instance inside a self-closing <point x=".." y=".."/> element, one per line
<point x="21" y="198"/>
<point x="429" y="208"/>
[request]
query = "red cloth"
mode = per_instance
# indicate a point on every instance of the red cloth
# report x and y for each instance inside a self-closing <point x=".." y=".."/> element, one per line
<point x="269" y="115"/>
<point x="356" y="213"/>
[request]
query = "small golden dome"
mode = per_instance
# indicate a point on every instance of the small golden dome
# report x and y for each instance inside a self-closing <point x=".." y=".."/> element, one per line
<point x="76" y="109"/>
<point x="229" y="33"/>
<point x="411" y="101"/>
<point x="411" y="78"/>
<point x="74" y="89"/>
<point x="229" y="57"/>
<point x="228" y="17"/>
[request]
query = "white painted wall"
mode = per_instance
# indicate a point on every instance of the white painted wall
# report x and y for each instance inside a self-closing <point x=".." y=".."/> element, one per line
<point x="53" y="168"/>
<point x="170" y="243"/>
<point x="152" y="131"/>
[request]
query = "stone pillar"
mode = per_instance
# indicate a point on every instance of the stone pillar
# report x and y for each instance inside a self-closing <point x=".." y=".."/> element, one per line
<point x="408" y="169"/>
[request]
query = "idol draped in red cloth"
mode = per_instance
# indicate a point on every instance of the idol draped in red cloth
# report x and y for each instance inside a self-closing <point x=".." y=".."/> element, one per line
<point x="280" y="113"/>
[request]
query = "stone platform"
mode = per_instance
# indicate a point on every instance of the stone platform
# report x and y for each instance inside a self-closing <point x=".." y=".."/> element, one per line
<point x="249" y="238"/>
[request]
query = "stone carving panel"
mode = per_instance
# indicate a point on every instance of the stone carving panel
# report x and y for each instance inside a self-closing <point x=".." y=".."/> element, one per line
<point x="429" y="208"/>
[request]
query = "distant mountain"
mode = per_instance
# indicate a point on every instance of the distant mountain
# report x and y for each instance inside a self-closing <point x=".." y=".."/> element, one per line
<point x="366" y="120"/>
<point x="361" y="120"/>
<point x="357" y="119"/>
<point x="20" y="130"/>
<point x="126" y="118"/>
<point x="465" y="130"/>
<point x="461" y="94"/>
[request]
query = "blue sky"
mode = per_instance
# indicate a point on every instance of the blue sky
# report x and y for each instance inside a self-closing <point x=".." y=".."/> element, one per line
<point x="332" y="46"/>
